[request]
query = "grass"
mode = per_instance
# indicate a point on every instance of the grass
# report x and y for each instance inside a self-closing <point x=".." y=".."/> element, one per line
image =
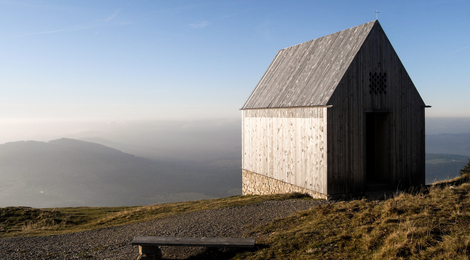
<point x="24" y="221"/>
<point x="432" y="223"/>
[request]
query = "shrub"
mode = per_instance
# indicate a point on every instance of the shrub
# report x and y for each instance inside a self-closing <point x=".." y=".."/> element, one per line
<point x="466" y="169"/>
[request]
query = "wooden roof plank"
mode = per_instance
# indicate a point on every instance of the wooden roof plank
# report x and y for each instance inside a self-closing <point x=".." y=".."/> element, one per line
<point x="309" y="51"/>
<point x="285" y="73"/>
<point x="313" y="69"/>
<point x="340" y="61"/>
<point x="262" y="90"/>
<point x="317" y="54"/>
<point x="307" y="74"/>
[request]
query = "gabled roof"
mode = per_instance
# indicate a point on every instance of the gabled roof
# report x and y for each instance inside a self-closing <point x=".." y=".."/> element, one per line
<point x="307" y="74"/>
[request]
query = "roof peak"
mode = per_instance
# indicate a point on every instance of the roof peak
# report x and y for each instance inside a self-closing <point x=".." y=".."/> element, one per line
<point x="307" y="74"/>
<point x="355" y="27"/>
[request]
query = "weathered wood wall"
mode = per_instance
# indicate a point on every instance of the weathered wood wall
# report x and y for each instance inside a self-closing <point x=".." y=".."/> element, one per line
<point x="346" y="120"/>
<point x="287" y="144"/>
<point x="291" y="142"/>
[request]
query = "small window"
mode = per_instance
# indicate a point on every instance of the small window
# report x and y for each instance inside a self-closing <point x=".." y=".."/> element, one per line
<point x="377" y="83"/>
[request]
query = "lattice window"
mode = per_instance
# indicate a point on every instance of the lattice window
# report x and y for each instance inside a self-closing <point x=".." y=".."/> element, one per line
<point x="378" y="83"/>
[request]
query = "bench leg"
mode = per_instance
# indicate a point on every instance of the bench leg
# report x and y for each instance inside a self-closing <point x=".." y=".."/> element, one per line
<point x="149" y="253"/>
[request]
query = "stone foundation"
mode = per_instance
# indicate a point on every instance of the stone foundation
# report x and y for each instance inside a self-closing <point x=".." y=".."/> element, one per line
<point x="257" y="184"/>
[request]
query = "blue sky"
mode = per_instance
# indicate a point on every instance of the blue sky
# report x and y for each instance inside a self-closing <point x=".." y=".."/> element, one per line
<point x="179" y="60"/>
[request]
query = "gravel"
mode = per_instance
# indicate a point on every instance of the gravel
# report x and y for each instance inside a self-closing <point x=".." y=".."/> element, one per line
<point x="114" y="242"/>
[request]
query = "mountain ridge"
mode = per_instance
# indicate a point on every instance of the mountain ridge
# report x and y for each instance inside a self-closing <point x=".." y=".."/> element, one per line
<point x="448" y="144"/>
<point x="68" y="172"/>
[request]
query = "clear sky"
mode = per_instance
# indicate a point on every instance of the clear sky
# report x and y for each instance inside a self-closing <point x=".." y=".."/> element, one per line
<point x="150" y="60"/>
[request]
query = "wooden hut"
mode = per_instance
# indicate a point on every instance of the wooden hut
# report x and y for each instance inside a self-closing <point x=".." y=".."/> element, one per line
<point x="332" y="116"/>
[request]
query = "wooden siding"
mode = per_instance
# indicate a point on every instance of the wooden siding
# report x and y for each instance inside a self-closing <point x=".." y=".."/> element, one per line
<point x="307" y="74"/>
<point x="287" y="145"/>
<point x="286" y="141"/>
<point x="404" y="120"/>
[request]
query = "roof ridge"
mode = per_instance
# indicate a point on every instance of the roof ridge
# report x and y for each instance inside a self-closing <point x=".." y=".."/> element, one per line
<point x="331" y="34"/>
<point x="307" y="74"/>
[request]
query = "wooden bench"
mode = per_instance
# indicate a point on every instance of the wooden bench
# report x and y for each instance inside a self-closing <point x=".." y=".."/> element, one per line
<point x="149" y="246"/>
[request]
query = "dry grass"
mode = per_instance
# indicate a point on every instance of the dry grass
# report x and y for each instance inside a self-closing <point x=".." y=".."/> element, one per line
<point x="431" y="224"/>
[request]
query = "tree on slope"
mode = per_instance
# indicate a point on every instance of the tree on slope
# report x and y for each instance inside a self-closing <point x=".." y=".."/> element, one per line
<point x="466" y="169"/>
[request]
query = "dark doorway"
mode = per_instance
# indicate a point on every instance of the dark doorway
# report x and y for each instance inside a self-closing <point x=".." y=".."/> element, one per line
<point x="377" y="149"/>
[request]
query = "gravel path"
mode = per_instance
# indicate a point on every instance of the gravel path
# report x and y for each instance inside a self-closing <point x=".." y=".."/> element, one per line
<point x="114" y="243"/>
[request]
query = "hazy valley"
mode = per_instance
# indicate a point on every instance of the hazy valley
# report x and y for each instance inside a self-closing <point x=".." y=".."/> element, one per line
<point x="154" y="162"/>
<point x="69" y="172"/>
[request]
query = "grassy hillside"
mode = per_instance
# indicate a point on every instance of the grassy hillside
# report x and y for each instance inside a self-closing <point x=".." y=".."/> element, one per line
<point x="432" y="223"/>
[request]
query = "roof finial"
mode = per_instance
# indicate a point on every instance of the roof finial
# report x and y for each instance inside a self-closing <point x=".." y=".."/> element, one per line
<point x="376" y="15"/>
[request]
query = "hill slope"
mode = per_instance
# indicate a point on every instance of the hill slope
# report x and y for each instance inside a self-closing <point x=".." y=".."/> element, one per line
<point x="68" y="172"/>
<point x="430" y="224"/>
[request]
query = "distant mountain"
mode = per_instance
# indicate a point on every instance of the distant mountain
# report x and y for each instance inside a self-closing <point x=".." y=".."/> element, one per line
<point x="449" y="125"/>
<point x="448" y="144"/>
<point x="69" y="172"/>
<point x="446" y="154"/>
<point x="441" y="167"/>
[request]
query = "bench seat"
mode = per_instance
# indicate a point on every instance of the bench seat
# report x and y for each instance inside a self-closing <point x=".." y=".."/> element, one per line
<point x="194" y="241"/>
<point x="149" y="245"/>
